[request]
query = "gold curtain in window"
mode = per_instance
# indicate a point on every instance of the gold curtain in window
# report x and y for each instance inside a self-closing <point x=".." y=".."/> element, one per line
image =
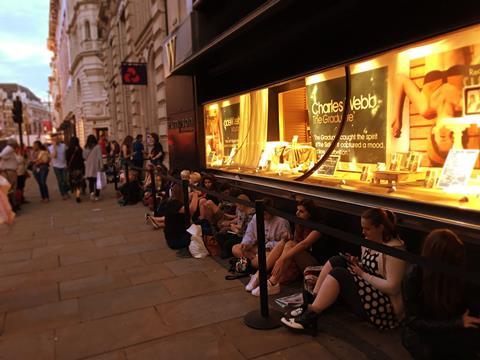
<point x="253" y="128"/>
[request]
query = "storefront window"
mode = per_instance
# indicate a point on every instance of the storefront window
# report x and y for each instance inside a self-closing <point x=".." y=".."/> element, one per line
<point x="412" y="130"/>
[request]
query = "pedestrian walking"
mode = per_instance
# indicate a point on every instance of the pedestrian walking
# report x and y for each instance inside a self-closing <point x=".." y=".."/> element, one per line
<point x="75" y="166"/>
<point x="22" y="174"/>
<point x="41" y="167"/>
<point x="93" y="165"/>
<point x="57" y="153"/>
<point x="8" y="168"/>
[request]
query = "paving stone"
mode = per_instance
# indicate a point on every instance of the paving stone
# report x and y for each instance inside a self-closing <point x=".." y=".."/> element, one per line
<point x="21" y="267"/>
<point x="148" y="273"/>
<point x="123" y="262"/>
<point x="194" y="284"/>
<point x="13" y="256"/>
<point x="91" y="285"/>
<point x="185" y="266"/>
<point x="116" y="355"/>
<point x="109" y="334"/>
<point x="45" y="317"/>
<point x="252" y="343"/>
<point x="63" y="249"/>
<point x="204" y="343"/>
<point x="204" y="310"/>
<point x="388" y="342"/>
<point x="33" y="294"/>
<point x="159" y="256"/>
<point x="123" y="300"/>
<point x="308" y="351"/>
<point x="110" y="240"/>
<point x="86" y="256"/>
<point x="147" y="234"/>
<point x="31" y="346"/>
<point x="71" y="272"/>
<point x="63" y="239"/>
<point x="339" y="347"/>
<point x="24" y="245"/>
<point x="93" y="235"/>
<point x="136" y="248"/>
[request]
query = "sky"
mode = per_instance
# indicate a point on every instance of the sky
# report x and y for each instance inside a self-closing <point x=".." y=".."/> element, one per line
<point x="24" y="58"/>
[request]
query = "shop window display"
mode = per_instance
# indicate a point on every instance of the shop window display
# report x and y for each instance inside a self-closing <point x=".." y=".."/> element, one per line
<point x="412" y="130"/>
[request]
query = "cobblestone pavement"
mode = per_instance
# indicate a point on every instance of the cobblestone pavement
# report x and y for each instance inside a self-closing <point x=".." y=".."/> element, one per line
<point x="92" y="281"/>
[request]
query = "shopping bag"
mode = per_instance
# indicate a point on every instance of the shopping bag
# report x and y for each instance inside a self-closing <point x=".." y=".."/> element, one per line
<point x="197" y="247"/>
<point x="101" y="180"/>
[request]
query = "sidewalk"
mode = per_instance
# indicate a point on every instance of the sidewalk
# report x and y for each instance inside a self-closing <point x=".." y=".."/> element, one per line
<point x="92" y="281"/>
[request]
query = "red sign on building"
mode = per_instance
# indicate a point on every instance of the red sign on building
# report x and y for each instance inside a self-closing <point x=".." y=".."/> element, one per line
<point x="134" y="73"/>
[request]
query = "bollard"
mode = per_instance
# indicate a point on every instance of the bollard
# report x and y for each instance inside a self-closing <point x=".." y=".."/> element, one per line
<point x="265" y="319"/>
<point x="186" y="203"/>
<point x="154" y="191"/>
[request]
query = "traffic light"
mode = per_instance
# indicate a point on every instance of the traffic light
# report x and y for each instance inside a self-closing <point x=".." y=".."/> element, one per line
<point x="17" y="111"/>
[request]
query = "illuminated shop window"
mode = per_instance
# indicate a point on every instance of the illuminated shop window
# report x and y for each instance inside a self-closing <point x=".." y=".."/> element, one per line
<point x="412" y="131"/>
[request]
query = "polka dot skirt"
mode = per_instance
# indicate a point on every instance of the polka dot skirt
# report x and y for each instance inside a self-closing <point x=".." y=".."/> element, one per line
<point x="377" y="305"/>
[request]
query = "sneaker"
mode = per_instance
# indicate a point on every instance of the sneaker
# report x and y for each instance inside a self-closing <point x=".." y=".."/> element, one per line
<point x="271" y="289"/>
<point x="253" y="283"/>
<point x="92" y="196"/>
<point x="96" y="198"/>
<point x="308" y="320"/>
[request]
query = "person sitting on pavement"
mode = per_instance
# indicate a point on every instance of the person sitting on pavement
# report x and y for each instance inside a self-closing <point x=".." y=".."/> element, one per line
<point x="131" y="192"/>
<point x="441" y="314"/>
<point x="289" y="258"/>
<point x="175" y="227"/>
<point x="276" y="229"/>
<point x="370" y="286"/>
<point x="231" y="231"/>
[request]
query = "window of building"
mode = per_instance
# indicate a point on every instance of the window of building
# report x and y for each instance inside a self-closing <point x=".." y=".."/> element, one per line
<point x="412" y="130"/>
<point x="88" y="34"/>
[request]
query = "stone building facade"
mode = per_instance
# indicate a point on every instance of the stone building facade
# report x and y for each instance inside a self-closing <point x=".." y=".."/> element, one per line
<point x="77" y="81"/>
<point x="35" y="113"/>
<point x="133" y="31"/>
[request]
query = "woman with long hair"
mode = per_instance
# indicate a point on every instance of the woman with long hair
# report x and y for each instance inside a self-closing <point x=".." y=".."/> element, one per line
<point x="439" y="319"/>
<point x="76" y="166"/>
<point x="41" y="166"/>
<point x="126" y="150"/>
<point x="370" y="286"/>
<point x="290" y="257"/>
<point x="92" y="153"/>
<point x="156" y="153"/>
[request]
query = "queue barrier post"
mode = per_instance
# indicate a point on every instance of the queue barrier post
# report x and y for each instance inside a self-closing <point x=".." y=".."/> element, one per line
<point x="154" y="191"/>
<point x="186" y="203"/>
<point x="266" y="318"/>
<point x="115" y="179"/>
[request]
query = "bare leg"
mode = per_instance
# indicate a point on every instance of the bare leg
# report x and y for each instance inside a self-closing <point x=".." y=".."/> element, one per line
<point x="278" y="269"/>
<point x="327" y="294"/>
<point x="202" y="204"/>
<point x="272" y="256"/>
<point x="237" y="251"/>
<point x="323" y="275"/>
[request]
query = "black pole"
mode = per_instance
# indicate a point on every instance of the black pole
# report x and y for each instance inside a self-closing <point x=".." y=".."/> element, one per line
<point x="115" y="180"/>
<point x="254" y="319"/>
<point x="20" y="135"/>
<point x="186" y="203"/>
<point x="262" y="257"/>
<point x="154" y="191"/>
<point x="127" y="180"/>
